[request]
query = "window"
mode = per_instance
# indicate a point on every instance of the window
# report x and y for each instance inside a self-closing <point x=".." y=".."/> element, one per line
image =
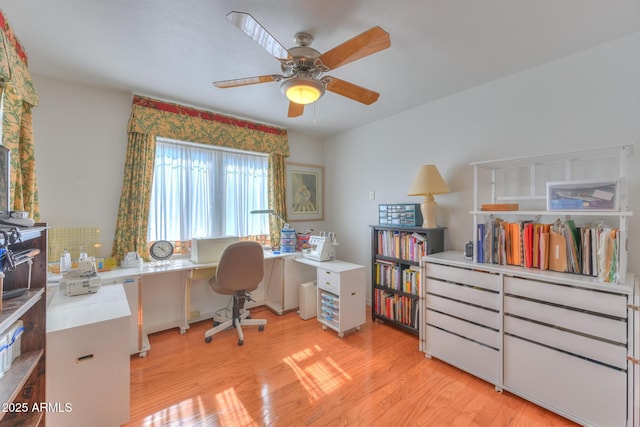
<point x="204" y="191"/>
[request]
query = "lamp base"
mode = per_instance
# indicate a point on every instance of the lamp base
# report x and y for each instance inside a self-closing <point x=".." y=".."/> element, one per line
<point x="429" y="209"/>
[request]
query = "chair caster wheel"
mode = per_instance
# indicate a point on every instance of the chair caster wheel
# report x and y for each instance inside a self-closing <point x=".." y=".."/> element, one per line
<point x="261" y="328"/>
<point x="208" y="339"/>
<point x="240" y="342"/>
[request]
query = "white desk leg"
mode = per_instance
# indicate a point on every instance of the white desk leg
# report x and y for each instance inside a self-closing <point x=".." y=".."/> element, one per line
<point x="143" y="338"/>
<point x="186" y="304"/>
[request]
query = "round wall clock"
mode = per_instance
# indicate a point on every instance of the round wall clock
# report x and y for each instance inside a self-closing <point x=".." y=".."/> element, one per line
<point x="161" y="250"/>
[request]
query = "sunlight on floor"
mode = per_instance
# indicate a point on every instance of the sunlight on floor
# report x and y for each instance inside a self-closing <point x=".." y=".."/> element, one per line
<point x="190" y="412"/>
<point x="318" y="375"/>
<point x="231" y="411"/>
<point x="193" y="413"/>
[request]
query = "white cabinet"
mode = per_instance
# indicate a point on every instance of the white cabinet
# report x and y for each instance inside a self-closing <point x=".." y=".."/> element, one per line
<point x="462" y="319"/>
<point x="562" y="341"/>
<point x="341" y="296"/>
<point x="88" y="358"/>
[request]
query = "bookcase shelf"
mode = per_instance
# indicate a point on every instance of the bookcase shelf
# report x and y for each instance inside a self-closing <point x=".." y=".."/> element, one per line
<point x="22" y="388"/>
<point x="395" y="273"/>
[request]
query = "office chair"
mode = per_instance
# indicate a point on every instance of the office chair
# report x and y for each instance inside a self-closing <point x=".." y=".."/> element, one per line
<point x="240" y="270"/>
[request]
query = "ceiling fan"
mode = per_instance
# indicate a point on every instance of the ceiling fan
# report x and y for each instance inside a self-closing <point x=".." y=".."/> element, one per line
<point x="302" y="81"/>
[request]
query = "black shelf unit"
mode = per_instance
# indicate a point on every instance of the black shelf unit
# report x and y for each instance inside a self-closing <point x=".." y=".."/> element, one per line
<point x="395" y="280"/>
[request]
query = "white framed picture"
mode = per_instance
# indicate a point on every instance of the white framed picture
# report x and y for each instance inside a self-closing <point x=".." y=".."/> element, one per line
<point x="305" y="192"/>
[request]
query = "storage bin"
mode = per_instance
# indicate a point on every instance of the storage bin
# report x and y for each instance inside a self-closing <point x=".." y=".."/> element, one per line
<point x="14" y="343"/>
<point x="308" y="300"/>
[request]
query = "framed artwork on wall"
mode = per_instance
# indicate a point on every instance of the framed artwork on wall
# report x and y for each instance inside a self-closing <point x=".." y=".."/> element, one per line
<point x="305" y="192"/>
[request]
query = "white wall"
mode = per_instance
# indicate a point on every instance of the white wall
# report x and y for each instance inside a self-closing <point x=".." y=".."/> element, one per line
<point x="81" y="141"/>
<point x="587" y="100"/>
<point x="81" y="138"/>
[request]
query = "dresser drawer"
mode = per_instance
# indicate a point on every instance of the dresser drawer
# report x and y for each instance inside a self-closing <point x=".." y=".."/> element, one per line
<point x="329" y="280"/>
<point x="464" y="293"/>
<point x="594" y="393"/>
<point x="467" y="355"/>
<point x="470" y="313"/>
<point x="465" y="276"/>
<point x="584" y="299"/>
<point x="582" y="322"/>
<point x="472" y="331"/>
<point x="594" y="349"/>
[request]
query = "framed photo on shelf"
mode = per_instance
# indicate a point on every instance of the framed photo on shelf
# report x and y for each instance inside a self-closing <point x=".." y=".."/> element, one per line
<point x="305" y="192"/>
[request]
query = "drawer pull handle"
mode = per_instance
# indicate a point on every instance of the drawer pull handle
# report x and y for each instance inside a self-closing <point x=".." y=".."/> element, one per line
<point x="633" y="307"/>
<point x="634" y="361"/>
<point x="84" y="358"/>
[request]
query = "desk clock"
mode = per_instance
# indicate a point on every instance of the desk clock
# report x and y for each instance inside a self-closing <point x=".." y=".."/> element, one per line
<point x="161" y="250"/>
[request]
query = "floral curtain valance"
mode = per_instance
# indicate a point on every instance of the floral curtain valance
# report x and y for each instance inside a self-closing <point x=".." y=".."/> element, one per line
<point x="14" y="72"/>
<point x="153" y="117"/>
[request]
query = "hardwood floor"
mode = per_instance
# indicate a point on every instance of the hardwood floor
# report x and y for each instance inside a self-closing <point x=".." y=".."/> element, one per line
<point x="297" y="374"/>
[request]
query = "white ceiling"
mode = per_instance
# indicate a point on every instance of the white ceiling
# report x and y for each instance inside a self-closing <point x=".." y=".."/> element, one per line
<point x="174" y="50"/>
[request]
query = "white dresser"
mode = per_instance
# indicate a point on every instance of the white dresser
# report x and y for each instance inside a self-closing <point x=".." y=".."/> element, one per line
<point x="88" y="358"/>
<point x="565" y="342"/>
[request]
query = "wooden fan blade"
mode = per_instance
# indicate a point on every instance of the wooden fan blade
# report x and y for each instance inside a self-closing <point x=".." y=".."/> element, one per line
<point x="247" y="81"/>
<point x="259" y="34"/>
<point x="295" y="110"/>
<point x="365" y="44"/>
<point x="351" y="91"/>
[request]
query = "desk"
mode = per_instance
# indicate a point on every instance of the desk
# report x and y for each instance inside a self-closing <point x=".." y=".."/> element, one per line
<point x="175" y="294"/>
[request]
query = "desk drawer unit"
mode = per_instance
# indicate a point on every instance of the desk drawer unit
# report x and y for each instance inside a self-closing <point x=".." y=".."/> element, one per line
<point x="462" y="319"/>
<point x="341" y="299"/>
<point x="566" y="346"/>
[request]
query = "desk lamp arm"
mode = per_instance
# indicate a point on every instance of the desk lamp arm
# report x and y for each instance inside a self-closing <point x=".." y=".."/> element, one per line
<point x="271" y="212"/>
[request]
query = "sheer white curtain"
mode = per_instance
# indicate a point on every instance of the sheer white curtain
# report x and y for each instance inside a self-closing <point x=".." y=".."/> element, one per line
<point x="201" y="191"/>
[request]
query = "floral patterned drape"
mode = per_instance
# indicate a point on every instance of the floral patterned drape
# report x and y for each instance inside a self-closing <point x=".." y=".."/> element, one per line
<point x="19" y="97"/>
<point x="151" y="118"/>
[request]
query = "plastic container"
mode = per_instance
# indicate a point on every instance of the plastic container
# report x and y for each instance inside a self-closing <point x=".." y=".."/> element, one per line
<point x="65" y="261"/>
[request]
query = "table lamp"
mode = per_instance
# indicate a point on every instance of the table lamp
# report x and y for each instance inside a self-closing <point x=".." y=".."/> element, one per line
<point x="428" y="182"/>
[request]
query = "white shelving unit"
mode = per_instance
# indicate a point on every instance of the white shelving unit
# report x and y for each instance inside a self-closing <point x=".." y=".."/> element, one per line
<point x="523" y="180"/>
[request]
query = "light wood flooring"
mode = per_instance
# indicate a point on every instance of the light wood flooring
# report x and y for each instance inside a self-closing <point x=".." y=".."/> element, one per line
<point x="297" y="374"/>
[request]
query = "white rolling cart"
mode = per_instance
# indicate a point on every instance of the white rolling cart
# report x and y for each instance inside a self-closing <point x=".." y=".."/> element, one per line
<point x="341" y="294"/>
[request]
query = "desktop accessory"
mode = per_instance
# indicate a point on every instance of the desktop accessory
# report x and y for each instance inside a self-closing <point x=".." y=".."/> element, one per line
<point x="302" y="82"/>
<point x="161" y="250"/>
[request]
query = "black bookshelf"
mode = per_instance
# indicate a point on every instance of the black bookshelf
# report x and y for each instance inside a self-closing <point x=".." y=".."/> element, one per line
<point x="395" y="274"/>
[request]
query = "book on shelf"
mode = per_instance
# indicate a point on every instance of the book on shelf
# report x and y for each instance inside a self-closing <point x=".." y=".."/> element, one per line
<point x="591" y="249"/>
<point x="399" y="308"/>
<point x="395" y="277"/>
<point x="402" y="245"/>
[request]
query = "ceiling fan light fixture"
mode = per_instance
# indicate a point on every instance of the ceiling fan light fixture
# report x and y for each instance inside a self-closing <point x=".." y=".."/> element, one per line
<point x="302" y="90"/>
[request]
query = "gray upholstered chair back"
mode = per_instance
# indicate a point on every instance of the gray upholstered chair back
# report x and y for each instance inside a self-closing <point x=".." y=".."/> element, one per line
<point x="240" y="268"/>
